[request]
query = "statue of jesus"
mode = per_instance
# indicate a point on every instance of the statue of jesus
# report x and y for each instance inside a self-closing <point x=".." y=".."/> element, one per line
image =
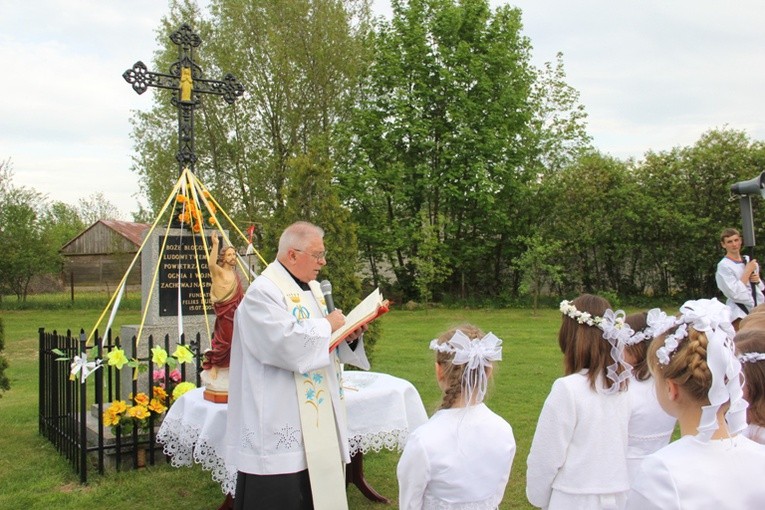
<point x="225" y="295"/>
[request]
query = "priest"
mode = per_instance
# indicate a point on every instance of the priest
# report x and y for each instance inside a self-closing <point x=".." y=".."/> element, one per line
<point x="286" y="429"/>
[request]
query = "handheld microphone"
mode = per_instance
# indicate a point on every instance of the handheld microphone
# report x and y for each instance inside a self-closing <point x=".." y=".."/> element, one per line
<point x="326" y="289"/>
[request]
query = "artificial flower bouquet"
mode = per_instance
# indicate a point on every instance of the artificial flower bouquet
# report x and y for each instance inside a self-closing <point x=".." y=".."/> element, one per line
<point x="121" y="417"/>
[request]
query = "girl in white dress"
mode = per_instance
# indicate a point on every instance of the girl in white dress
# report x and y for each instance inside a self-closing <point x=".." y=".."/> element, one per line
<point x="461" y="458"/>
<point x="650" y="427"/>
<point x="698" y="380"/>
<point x="578" y="458"/>
<point x="750" y="344"/>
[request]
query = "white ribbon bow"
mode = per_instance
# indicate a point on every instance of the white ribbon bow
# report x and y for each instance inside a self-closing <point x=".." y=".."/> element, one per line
<point x="713" y="318"/>
<point x="657" y="323"/>
<point x="616" y="332"/>
<point x="477" y="355"/>
<point x="81" y="365"/>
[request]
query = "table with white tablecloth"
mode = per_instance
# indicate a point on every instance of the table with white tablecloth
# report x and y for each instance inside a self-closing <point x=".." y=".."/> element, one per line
<point x="382" y="411"/>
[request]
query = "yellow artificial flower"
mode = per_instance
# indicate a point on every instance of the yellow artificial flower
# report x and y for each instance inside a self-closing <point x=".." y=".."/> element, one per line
<point x="159" y="392"/>
<point x="117" y="358"/>
<point x="111" y="418"/>
<point x="182" y="388"/>
<point x="138" y="412"/>
<point x="156" y="406"/>
<point x="142" y="399"/>
<point x="183" y="354"/>
<point x="212" y="221"/>
<point x="159" y="356"/>
<point x="118" y="407"/>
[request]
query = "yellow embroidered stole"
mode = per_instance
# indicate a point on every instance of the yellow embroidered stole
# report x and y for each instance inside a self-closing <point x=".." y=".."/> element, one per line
<point x="317" y="415"/>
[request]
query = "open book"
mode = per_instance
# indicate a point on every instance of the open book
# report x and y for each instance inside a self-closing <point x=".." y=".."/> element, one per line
<point x="365" y="312"/>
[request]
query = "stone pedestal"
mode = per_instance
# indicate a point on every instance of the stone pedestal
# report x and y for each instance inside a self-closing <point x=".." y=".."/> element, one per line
<point x="161" y="279"/>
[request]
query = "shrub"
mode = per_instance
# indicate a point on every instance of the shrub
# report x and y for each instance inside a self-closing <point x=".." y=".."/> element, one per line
<point x="5" y="384"/>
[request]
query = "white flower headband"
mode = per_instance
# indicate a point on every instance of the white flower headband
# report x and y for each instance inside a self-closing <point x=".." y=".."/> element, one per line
<point x="477" y="355"/>
<point x="751" y="357"/>
<point x="713" y="319"/>
<point x="568" y="309"/>
<point x="615" y="331"/>
<point x="670" y="344"/>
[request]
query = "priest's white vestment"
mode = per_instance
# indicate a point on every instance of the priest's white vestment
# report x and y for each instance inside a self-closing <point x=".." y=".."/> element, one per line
<point x="271" y="343"/>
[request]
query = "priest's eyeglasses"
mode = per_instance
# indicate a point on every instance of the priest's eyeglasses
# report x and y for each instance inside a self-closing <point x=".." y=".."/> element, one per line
<point x="322" y="255"/>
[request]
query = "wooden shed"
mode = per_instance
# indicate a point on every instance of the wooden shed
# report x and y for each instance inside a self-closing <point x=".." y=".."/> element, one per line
<point x="101" y="254"/>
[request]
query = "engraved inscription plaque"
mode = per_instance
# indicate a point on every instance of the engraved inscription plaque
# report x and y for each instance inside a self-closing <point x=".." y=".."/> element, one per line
<point x="183" y="265"/>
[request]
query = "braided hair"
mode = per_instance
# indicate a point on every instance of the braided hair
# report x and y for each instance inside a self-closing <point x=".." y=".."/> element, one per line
<point x="453" y="374"/>
<point x="687" y="365"/>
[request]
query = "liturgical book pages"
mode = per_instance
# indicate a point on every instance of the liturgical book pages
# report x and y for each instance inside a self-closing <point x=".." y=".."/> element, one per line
<point x="365" y="312"/>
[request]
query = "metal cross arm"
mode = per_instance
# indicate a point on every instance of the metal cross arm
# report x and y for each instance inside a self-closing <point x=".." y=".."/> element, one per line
<point x="141" y="79"/>
<point x="185" y="78"/>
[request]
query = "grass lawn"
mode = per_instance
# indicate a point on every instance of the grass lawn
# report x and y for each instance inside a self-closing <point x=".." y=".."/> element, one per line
<point x="33" y="475"/>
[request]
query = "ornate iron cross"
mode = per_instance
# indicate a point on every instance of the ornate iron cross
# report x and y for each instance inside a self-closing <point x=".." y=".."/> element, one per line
<point x="186" y="78"/>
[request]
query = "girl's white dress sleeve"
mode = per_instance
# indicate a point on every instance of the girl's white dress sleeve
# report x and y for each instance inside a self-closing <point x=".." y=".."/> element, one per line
<point x="414" y="467"/>
<point x="555" y="429"/>
<point x="654" y="488"/>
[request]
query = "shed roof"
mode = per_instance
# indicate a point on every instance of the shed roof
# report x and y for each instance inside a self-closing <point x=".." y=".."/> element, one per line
<point x="130" y="230"/>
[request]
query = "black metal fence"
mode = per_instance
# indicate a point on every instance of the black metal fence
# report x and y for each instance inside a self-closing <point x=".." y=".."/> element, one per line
<point x="65" y="404"/>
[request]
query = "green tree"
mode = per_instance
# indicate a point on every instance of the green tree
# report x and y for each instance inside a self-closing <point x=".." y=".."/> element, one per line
<point x="32" y="231"/>
<point x="691" y="203"/>
<point x="20" y="235"/>
<point x="558" y="134"/>
<point x="90" y="209"/>
<point x="589" y="212"/>
<point x="60" y="223"/>
<point x="430" y="267"/>
<point x="298" y="85"/>
<point x="438" y="133"/>
<point x="539" y="268"/>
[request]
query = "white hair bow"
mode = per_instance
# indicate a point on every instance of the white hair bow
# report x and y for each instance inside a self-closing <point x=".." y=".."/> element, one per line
<point x="477" y="355"/>
<point x="713" y="318"/>
<point x="616" y="332"/>
<point x="657" y="323"/>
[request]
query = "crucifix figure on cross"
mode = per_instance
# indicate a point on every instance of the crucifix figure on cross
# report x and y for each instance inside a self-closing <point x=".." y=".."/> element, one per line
<point x="186" y="78"/>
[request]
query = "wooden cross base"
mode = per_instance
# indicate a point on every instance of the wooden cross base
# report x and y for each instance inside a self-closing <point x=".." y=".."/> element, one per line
<point x="217" y="397"/>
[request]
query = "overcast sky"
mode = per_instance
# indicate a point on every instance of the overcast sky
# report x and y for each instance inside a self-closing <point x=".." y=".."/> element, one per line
<point x="652" y="74"/>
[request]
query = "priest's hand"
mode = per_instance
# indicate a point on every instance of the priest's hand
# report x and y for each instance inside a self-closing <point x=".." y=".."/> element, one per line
<point x="357" y="333"/>
<point x="336" y="319"/>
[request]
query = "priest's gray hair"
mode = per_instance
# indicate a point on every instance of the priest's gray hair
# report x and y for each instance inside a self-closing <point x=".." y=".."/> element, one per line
<point x="297" y="236"/>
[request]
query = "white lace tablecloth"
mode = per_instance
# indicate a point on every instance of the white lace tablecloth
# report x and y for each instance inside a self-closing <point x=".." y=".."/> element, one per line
<point x="382" y="410"/>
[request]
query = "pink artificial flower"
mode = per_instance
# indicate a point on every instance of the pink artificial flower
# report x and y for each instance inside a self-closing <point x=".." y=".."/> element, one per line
<point x="159" y="375"/>
<point x="175" y="375"/>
